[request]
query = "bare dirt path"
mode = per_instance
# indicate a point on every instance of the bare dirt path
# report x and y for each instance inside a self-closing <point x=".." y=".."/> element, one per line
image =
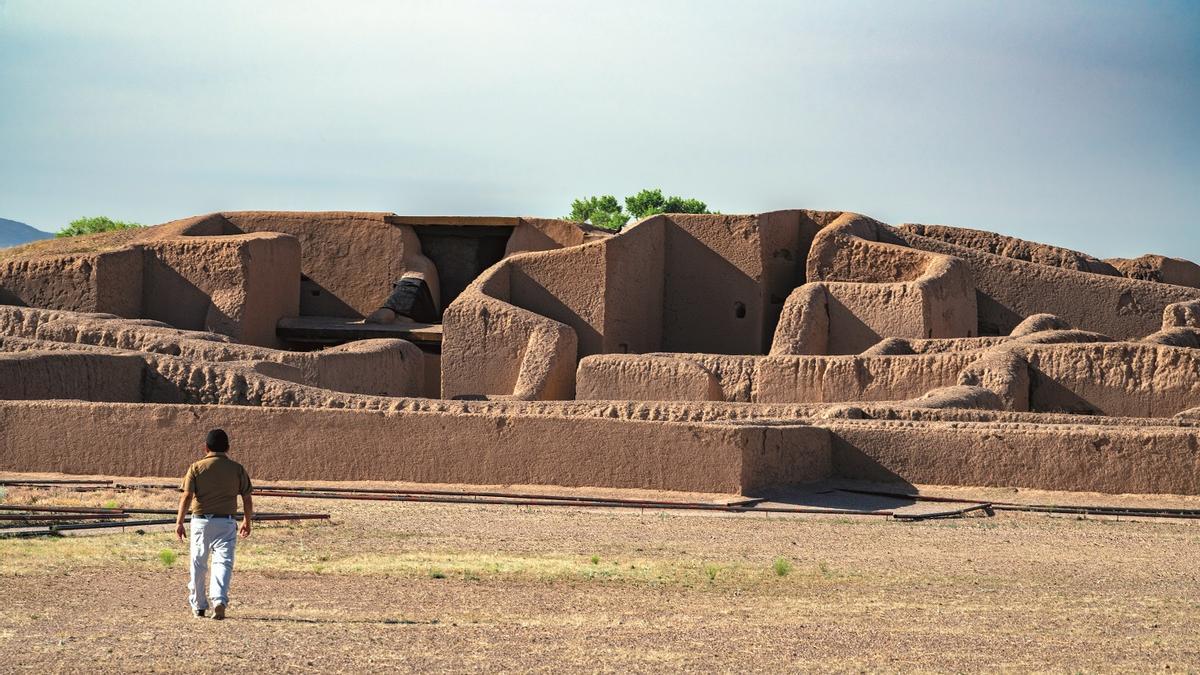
<point x="485" y="588"/>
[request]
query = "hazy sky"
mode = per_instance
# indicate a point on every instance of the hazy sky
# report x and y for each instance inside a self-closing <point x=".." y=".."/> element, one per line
<point x="1075" y="123"/>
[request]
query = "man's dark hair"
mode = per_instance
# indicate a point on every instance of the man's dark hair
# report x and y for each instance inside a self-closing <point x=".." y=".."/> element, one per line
<point x="217" y="440"/>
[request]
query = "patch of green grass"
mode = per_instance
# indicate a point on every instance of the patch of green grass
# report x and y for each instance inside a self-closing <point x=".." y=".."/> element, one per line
<point x="436" y="574"/>
<point x="711" y="571"/>
<point x="110" y="504"/>
<point x="167" y="557"/>
<point x="782" y="567"/>
<point x="595" y="559"/>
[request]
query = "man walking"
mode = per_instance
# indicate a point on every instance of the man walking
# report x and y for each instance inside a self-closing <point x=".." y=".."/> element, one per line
<point x="214" y="484"/>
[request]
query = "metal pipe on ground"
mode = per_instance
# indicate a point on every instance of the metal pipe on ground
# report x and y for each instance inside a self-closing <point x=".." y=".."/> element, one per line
<point x="59" y="509"/>
<point x="54" y="529"/>
<point x="1043" y="508"/>
<point x="695" y="506"/>
<point x="54" y="481"/>
<point x="104" y="511"/>
<point x="447" y="493"/>
<point x="485" y="497"/>
<point x="61" y="516"/>
<point x="986" y="509"/>
<point x="470" y="493"/>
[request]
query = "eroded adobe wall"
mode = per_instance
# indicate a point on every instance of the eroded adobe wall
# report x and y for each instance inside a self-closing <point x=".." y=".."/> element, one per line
<point x="861" y="289"/>
<point x="671" y="282"/>
<point x="493" y="449"/>
<point x="350" y="259"/>
<point x="107" y="281"/>
<point x="238" y="286"/>
<point x="1008" y="290"/>
<point x="383" y="367"/>
<point x="492" y="348"/>
<point x="768" y="379"/>
<point x="305" y="444"/>
<point x="801" y="379"/>
<point x="1019" y="249"/>
<point x="712" y="292"/>
<point x="537" y="313"/>
<point x="1159" y="268"/>
<point x="70" y="375"/>
<point x="608" y="292"/>
<point x="543" y="234"/>
<point x="727" y="277"/>
<point x="1100" y="458"/>
<point x="629" y="377"/>
<point x="1118" y="379"/>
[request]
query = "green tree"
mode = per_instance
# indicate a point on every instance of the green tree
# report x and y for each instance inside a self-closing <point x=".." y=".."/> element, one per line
<point x="606" y="212"/>
<point x="93" y="225"/>
<point x="603" y="211"/>
<point x="649" y="202"/>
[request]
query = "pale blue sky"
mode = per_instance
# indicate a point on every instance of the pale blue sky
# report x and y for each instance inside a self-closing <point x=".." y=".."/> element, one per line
<point x="1075" y="123"/>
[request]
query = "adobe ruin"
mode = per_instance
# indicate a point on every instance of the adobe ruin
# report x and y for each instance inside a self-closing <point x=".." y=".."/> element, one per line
<point x="719" y="353"/>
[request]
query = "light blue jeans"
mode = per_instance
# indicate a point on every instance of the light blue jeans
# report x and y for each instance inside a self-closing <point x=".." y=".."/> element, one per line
<point x="214" y="538"/>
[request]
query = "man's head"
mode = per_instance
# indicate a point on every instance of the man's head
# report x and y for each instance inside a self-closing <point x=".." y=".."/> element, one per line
<point x="217" y="441"/>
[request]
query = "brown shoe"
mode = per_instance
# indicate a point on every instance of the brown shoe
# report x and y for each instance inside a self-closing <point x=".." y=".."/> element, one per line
<point x="219" y="612"/>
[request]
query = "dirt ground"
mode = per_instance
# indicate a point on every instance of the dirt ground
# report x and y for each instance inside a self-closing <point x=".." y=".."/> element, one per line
<point x="441" y="587"/>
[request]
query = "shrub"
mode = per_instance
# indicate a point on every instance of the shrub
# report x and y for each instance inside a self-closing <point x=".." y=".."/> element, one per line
<point x="94" y="224"/>
<point x="649" y="202"/>
<point x="711" y="571"/>
<point x="603" y="211"/>
<point x="606" y="212"/>
<point x="782" y="567"/>
<point x="167" y="557"/>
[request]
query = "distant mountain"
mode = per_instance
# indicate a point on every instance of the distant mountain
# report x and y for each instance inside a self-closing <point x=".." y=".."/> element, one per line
<point x="13" y="233"/>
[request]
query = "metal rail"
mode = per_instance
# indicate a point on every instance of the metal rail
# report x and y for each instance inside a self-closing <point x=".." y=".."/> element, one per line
<point x="264" y="489"/>
<point x="487" y="497"/>
<point x="27" y="517"/>
<point x="599" y="503"/>
<point x="66" y="527"/>
<point x="54" y="481"/>
<point x="1131" y="511"/>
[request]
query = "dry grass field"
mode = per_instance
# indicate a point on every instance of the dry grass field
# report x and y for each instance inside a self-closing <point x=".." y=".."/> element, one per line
<point x="440" y="587"/>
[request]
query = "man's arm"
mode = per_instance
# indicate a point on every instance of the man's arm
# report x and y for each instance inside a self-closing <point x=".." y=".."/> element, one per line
<point x="185" y="502"/>
<point x="247" y="514"/>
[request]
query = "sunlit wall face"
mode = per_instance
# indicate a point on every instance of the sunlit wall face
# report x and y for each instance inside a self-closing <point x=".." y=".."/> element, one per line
<point x="1074" y="123"/>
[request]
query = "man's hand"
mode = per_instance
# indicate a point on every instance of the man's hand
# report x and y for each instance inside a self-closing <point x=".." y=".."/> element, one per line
<point x="244" y="530"/>
<point x="185" y="501"/>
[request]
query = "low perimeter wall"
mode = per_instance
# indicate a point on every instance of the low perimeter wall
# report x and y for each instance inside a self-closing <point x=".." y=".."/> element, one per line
<point x="313" y="444"/>
<point x="1091" y="458"/>
<point x="321" y="444"/>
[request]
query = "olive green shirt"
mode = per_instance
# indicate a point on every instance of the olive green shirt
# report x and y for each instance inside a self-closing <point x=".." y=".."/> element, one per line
<point x="216" y="481"/>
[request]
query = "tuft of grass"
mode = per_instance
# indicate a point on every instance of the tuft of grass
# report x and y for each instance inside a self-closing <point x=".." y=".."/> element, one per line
<point x="711" y="571"/>
<point x="782" y="567"/>
<point x="823" y="568"/>
<point x="437" y="574"/>
<point x="167" y="557"/>
<point x="595" y="559"/>
<point x="110" y="504"/>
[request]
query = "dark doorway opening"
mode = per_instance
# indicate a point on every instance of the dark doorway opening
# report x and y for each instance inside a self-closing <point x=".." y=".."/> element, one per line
<point x="461" y="253"/>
